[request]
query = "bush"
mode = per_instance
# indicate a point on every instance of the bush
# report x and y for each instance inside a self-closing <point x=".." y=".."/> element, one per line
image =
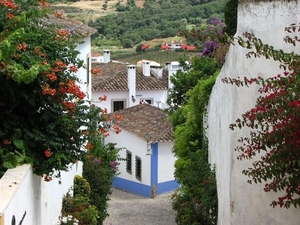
<point x="42" y="109"/>
<point x="77" y="209"/>
<point x="100" y="166"/>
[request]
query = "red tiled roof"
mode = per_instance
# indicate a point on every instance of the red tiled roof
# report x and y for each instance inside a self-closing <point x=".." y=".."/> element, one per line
<point x="117" y="81"/>
<point x="96" y="54"/>
<point x="142" y="119"/>
<point x="75" y="27"/>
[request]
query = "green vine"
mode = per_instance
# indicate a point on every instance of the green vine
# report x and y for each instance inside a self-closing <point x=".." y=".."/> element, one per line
<point x="196" y="201"/>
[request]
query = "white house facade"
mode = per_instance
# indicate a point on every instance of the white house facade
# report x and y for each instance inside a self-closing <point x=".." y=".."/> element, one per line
<point x="146" y="139"/>
<point x="128" y="85"/>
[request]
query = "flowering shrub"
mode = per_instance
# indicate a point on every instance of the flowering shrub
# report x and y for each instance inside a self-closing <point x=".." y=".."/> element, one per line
<point x="76" y="206"/>
<point x="274" y="122"/>
<point x="208" y="35"/>
<point x="42" y="109"/>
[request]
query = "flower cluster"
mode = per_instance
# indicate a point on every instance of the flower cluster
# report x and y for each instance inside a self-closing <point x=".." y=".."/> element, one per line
<point x="42" y="107"/>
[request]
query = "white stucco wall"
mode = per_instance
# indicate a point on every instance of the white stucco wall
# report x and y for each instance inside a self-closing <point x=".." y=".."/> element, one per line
<point x="21" y="190"/>
<point x="155" y="95"/>
<point x="137" y="147"/>
<point x="85" y="53"/>
<point x="240" y="202"/>
<point x="166" y="160"/>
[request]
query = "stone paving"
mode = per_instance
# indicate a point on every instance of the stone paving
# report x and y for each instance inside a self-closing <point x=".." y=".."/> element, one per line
<point x="129" y="209"/>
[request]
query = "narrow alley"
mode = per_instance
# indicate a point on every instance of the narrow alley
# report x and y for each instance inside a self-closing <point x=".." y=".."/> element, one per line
<point x="130" y="209"/>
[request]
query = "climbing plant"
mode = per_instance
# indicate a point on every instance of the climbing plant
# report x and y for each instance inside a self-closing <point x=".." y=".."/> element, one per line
<point x="43" y="111"/>
<point x="274" y="137"/>
<point x="196" y="200"/>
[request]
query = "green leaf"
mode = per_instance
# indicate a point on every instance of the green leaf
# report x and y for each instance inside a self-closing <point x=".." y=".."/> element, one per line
<point x="19" y="143"/>
<point x="10" y="160"/>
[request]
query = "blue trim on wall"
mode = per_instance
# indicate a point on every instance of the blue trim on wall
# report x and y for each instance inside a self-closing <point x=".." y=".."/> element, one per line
<point x="167" y="186"/>
<point x="145" y="190"/>
<point x="154" y="164"/>
<point x="133" y="187"/>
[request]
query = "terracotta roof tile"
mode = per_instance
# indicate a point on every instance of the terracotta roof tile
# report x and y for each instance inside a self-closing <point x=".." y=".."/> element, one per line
<point x="115" y="79"/>
<point x="96" y="54"/>
<point x="75" y="27"/>
<point x="142" y="119"/>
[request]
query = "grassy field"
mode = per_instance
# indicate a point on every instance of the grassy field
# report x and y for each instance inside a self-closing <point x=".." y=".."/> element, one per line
<point x="89" y="10"/>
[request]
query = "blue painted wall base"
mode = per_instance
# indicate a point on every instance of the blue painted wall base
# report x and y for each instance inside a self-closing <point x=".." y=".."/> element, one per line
<point x="142" y="189"/>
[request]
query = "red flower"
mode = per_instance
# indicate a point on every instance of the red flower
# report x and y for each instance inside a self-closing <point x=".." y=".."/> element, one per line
<point x="73" y="69"/>
<point x="52" y="77"/>
<point x="22" y="47"/>
<point x="48" y="153"/>
<point x="89" y="146"/>
<point x="6" y="142"/>
<point x="104" y="98"/>
<point x="9" y="15"/>
<point x="96" y="71"/>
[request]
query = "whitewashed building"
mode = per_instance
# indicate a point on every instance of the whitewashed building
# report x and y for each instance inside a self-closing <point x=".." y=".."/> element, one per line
<point x="147" y="142"/>
<point x="129" y="85"/>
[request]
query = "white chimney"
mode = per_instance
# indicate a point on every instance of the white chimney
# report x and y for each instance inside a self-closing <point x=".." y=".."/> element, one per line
<point x="173" y="67"/>
<point x="131" y="85"/>
<point x="156" y="71"/>
<point x="106" y="56"/>
<point x="146" y="68"/>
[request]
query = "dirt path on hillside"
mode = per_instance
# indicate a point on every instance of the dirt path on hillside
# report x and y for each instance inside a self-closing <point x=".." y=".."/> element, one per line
<point x="129" y="209"/>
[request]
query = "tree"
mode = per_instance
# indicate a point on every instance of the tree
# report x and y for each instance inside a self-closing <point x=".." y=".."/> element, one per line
<point x="201" y="67"/>
<point x="104" y="6"/>
<point x="43" y="112"/>
<point x="230" y="14"/>
<point x="196" y="201"/>
<point x="273" y="122"/>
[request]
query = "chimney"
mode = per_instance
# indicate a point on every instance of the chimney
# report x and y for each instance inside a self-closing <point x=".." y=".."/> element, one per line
<point x="146" y="68"/>
<point x="156" y="71"/>
<point x="167" y="65"/>
<point x="106" y="56"/>
<point x="173" y="67"/>
<point x="131" y="85"/>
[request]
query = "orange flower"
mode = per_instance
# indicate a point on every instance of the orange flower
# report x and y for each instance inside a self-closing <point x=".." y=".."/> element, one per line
<point x="58" y="14"/>
<point x="48" y="153"/>
<point x="60" y="64"/>
<point x="9" y="15"/>
<point x="6" y="142"/>
<point x="89" y="146"/>
<point x="73" y="69"/>
<point x="44" y="4"/>
<point x="96" y="71"/>
<point x="52" y="92"/>
<point x="104" y="98"/>
<point x="118" y="117"/>
<point x="22" y="47"/>
<point x="52" y="77"/>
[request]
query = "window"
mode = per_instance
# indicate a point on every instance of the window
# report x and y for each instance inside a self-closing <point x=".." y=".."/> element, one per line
<point x="148" y="100"/>
<point x="118" y="105"/>
<point x="138" y="168"/>
<point x="128" y="162"/>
